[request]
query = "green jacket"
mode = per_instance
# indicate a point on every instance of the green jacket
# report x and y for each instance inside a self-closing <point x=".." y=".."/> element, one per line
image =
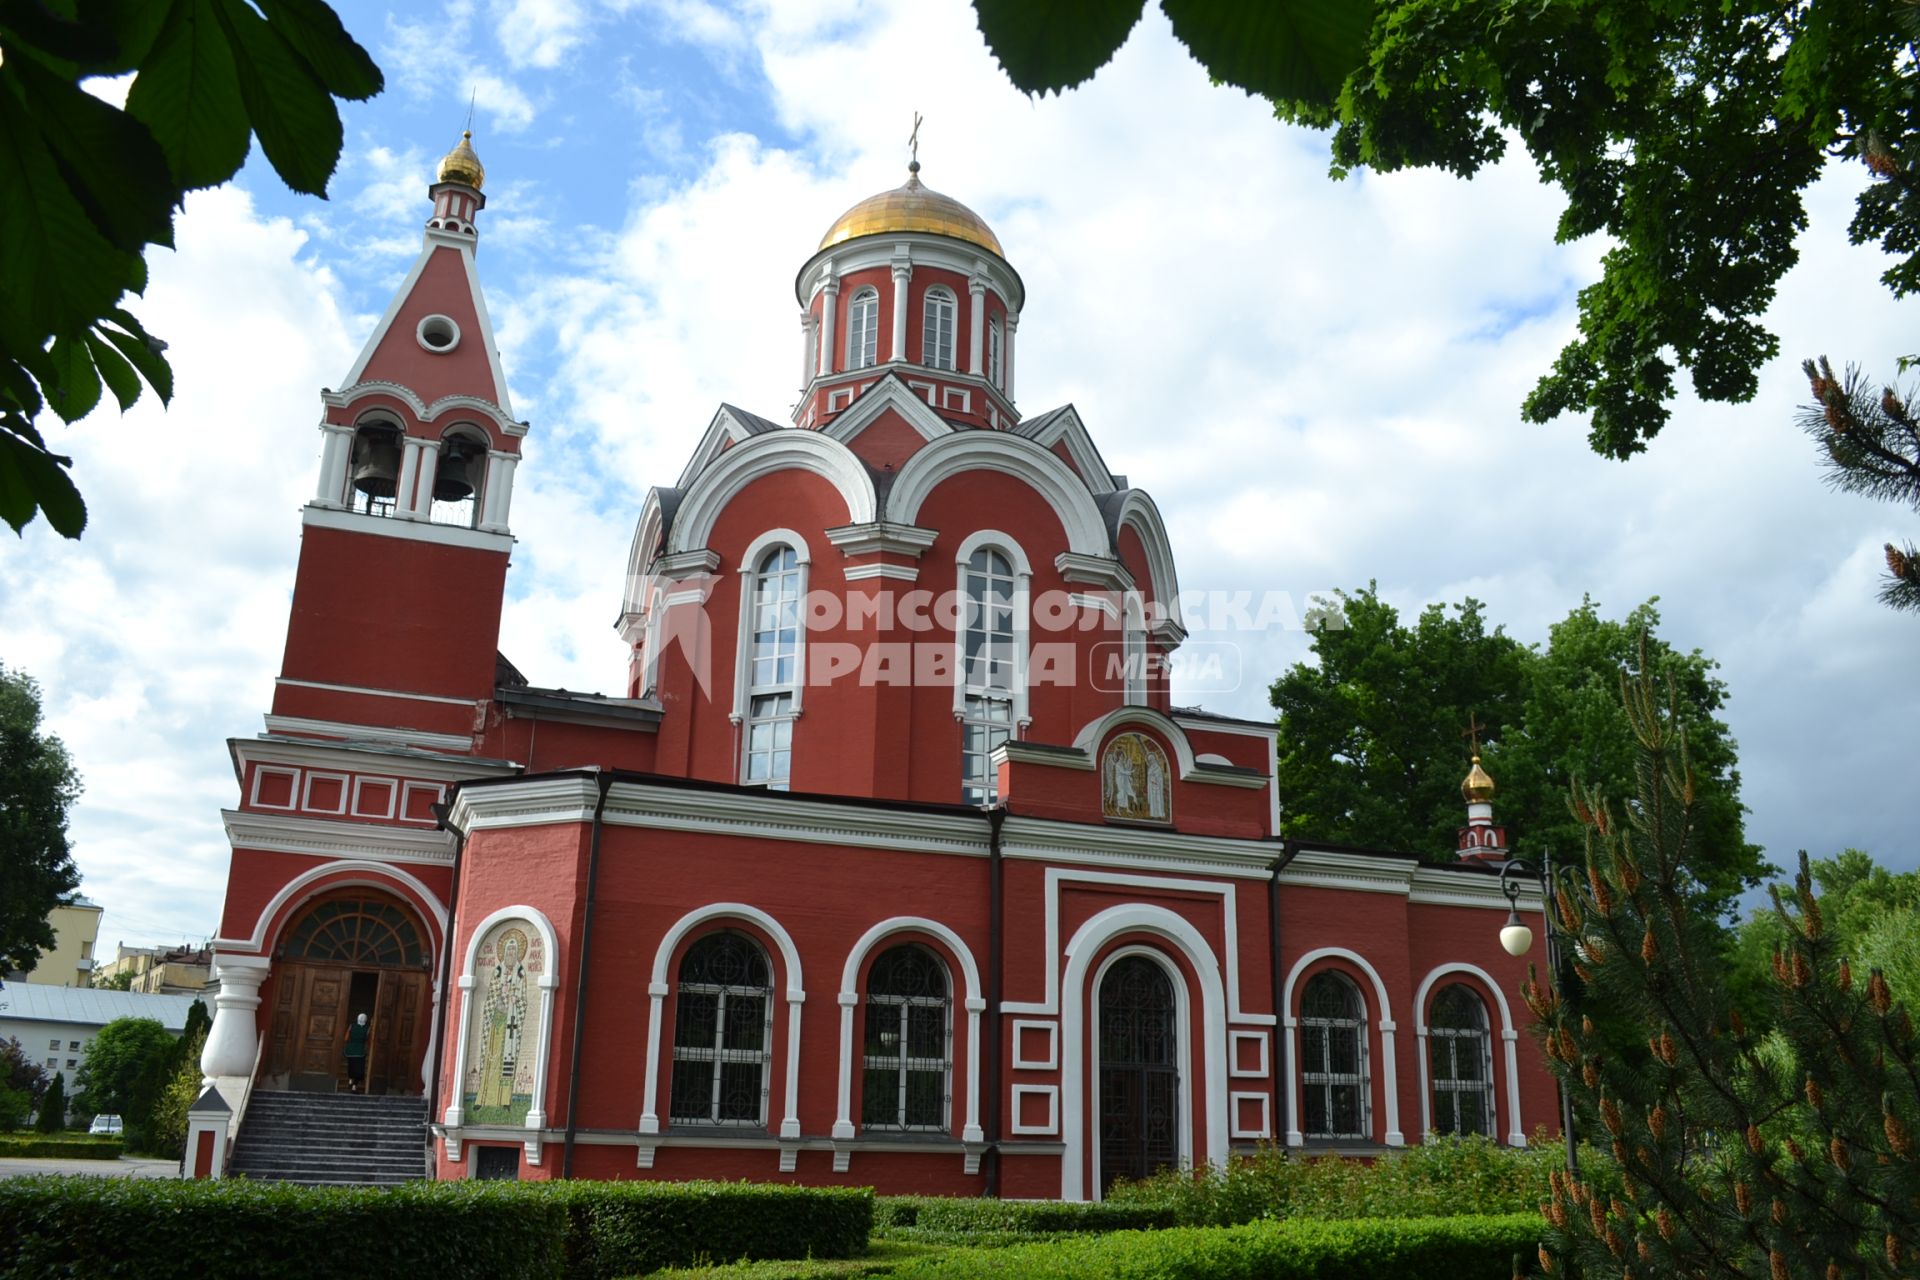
<point x="357" y="1040"/>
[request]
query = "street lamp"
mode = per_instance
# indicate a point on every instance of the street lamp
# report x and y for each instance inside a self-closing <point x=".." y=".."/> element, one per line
<point x="1517" y="939"/>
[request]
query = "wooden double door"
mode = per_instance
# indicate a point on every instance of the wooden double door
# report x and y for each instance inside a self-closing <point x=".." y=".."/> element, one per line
<point x="347" y="955"/>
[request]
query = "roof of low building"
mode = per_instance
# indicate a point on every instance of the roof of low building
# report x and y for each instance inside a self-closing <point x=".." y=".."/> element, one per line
<point x="86" y="1006"/>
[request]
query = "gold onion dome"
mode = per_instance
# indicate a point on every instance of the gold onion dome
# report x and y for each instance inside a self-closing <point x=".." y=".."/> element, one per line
<point x="912" y="207"/>
<point x="1478" y="786"/>
<point x="462" y="165"/>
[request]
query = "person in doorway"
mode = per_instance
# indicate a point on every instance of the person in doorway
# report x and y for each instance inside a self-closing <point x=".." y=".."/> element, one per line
<point x="357" y="1035"/>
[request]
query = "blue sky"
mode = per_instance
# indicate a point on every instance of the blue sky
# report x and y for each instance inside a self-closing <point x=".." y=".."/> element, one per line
<point x="1318" y="381"/>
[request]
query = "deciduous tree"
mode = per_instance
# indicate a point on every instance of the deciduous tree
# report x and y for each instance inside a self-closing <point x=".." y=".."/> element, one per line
<point x="125" y="1073"/>
<point x="38" y="784"/>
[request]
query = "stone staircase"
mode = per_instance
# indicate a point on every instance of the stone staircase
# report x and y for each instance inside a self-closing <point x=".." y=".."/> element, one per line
<point x="332" y="1139"/>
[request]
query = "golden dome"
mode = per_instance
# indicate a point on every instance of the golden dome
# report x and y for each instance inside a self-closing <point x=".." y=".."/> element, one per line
<point x="462" y="165"/>
<point x="912" y="207"/>
<point x="1477" y="787"/>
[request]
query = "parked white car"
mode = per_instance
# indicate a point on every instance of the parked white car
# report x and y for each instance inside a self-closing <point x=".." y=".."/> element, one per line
<point x="108" y="1125"/>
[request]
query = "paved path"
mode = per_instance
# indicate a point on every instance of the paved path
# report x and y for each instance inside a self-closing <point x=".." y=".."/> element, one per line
<point x="124" y="1167"/>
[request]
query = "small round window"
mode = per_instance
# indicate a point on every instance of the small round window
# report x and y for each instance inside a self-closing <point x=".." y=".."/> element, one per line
<point x="439" y="333"/>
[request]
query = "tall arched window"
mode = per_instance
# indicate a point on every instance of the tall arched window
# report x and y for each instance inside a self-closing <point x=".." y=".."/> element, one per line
<point x="993" y="354"/>
<point x="1460" y="1057"/>
<point x="863" y="329"/>
<point x="936" y="333"/>
<point x="1333" y="1059"/>
<point x="989" y="669"/>
<point x="773" y="668"/>
<point x="1135" y="650"/>
<point x="722" y="1033"/>
<point x="908" y="1058"/>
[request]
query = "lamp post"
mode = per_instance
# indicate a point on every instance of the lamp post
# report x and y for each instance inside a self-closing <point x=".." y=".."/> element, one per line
<point x="1516" y="938"/>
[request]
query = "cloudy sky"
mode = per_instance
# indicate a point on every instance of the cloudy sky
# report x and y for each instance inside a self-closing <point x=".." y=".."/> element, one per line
<point x="1318" y="381"/>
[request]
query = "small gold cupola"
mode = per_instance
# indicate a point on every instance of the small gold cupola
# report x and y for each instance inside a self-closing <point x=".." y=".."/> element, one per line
<point x="462" y="165"/>
<point x="1477" y="787"/>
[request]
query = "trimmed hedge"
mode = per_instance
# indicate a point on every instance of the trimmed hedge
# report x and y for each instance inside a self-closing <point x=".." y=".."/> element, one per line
<point x="160" y="1229"/>
<point x="956" y="1215"/>
<point x="72" y="1148"/>
<point x="1479" y="1248"/>
<point x="166" y="1228"/>
<point x="620" y="1228"/>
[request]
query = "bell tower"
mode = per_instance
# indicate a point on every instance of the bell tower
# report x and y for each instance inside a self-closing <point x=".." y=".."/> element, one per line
<point x="405" y="545"/>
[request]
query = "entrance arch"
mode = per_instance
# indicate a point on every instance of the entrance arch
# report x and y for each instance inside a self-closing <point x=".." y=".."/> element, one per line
<point x="1138" y="1041"/>
<point x="346" y="952"/>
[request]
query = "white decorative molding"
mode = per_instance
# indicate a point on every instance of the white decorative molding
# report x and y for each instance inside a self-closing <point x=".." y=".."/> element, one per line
<point x="368" y="733"/>
<point x="1066" y="428"/>
<point x="426" y="413"/>
<point x="888" y="393"/>
<point x="1234" y="1040"/>
<point x="348" y="872"/>
<point x="293" y="787"/>
<point x="1383" y="1018"/>
<point x="973" y="1002"/>
<point x="1095" y="732"/>
<point x="1516" y="1128"/>
<point x="1104" y="572"/>
<point x="657" y="993"/>
<point x="1048" y="1091"/>
<point x="438" y="790"/>
<point x="446" y="535"/>
<point x="1043" y="471"/>
<point x="1086" y="943"/>
<point x="360" y="783"/>
<point x="895" y="572"/>
<point x="1051" y="1062"/>
<point x="313" y="776"/>
<point x="356" y="757"/>
<point x="1137" y="849"/>
<point x="375" y="693"/>
<point x="764" y="455"/>
<point x="524" y="803"/>
<point x="334" y="838"/>
<point x="1265" y="1128"/>
<point x="881" y="537"/>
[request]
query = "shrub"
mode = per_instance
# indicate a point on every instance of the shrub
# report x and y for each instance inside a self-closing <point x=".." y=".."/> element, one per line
<point x="1462" y="1248"/>
<point x="53" y="1106"/>
<point x="619" y="1228"/>
<point x="72" y="1146"/>
<point x="1441" y="1177"/>
<point x="160" y="1229"/>
<point x="166" y="1228"/>
<point x="960" y="1216"/>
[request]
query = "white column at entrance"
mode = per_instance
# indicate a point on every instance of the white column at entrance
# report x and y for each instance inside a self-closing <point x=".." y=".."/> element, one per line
<point x="902" y="273"/>
<point x="233" y="1042"/>
<point x="1013" y="323"/>
<point x="976" y="325"/>
<point x="830" y="292"/>
<point x="336" y="452"/>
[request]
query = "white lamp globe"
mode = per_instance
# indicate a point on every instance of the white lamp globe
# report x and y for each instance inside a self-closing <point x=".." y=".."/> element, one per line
<point x="1516" y="938"/>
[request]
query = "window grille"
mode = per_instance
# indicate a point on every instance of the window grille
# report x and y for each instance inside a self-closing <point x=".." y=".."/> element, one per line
<point x="1333" y="1059"/>
<point x="1460" y="1063"/>
<point x="908" y="1054"/>
<point x="722" y="1033"/>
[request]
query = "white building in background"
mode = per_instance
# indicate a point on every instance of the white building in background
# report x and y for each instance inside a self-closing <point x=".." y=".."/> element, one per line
<point x="56" y="1025"/>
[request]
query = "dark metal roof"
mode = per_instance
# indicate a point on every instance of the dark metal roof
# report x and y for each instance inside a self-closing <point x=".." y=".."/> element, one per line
<point x="753" y="422"/>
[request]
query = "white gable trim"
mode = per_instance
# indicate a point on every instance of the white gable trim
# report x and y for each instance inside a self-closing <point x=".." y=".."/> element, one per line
<point x="765" y="455"/>
<point x="888" y="393"/>
<point x="1067" y="428"/>
<point x="1011" y="455"/>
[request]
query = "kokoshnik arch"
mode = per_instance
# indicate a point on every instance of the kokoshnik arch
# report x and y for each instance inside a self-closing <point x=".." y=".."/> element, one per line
<point x="984" y="913"/>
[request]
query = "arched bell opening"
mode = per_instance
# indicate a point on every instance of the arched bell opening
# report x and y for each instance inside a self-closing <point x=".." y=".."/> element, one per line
<point x="459" y="475"/>
<point x="373" y="472"/>
<point x="346" y="953"/>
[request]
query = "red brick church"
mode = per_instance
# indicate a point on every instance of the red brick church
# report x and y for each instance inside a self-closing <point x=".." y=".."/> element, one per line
<point x="893" y="864"/>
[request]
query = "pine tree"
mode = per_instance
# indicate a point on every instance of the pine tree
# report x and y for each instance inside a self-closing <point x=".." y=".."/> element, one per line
<point x="53" y="1106"/>
<point x="1871" y="446"/>
<point x="1790" y="1157"/>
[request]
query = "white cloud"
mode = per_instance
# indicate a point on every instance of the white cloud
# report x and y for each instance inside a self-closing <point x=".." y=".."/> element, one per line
<point x="539" y="33"/>
<point x="432" y="59"/>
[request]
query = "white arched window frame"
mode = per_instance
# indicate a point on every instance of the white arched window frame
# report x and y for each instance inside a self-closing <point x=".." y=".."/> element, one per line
<point x="1336" y="1088"/>
<point x="1460" y="1062"/>
<point x="722" y="1032"/>
<point x="863" y="328"/>
<point x="907" y="1042"/>
<point x="770" y="666"/>
<point x="994" y="580"/>
<point x="937" y="328"/>
<point x="993" y="353"/>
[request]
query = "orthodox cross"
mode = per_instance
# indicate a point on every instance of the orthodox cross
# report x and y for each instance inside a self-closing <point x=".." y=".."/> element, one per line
<point x="913" y="139"/>
<point x="470" y="101"/>
<point x="1472" y="733"/>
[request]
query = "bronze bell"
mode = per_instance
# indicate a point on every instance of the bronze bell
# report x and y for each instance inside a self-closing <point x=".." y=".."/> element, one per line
<point x="376" y="465"/>
<point x="450" y="481"/>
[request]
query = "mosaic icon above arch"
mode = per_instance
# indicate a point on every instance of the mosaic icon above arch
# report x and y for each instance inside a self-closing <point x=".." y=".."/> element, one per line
<point x="1135" y="782"/>
<point x="499" y="1083"/>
